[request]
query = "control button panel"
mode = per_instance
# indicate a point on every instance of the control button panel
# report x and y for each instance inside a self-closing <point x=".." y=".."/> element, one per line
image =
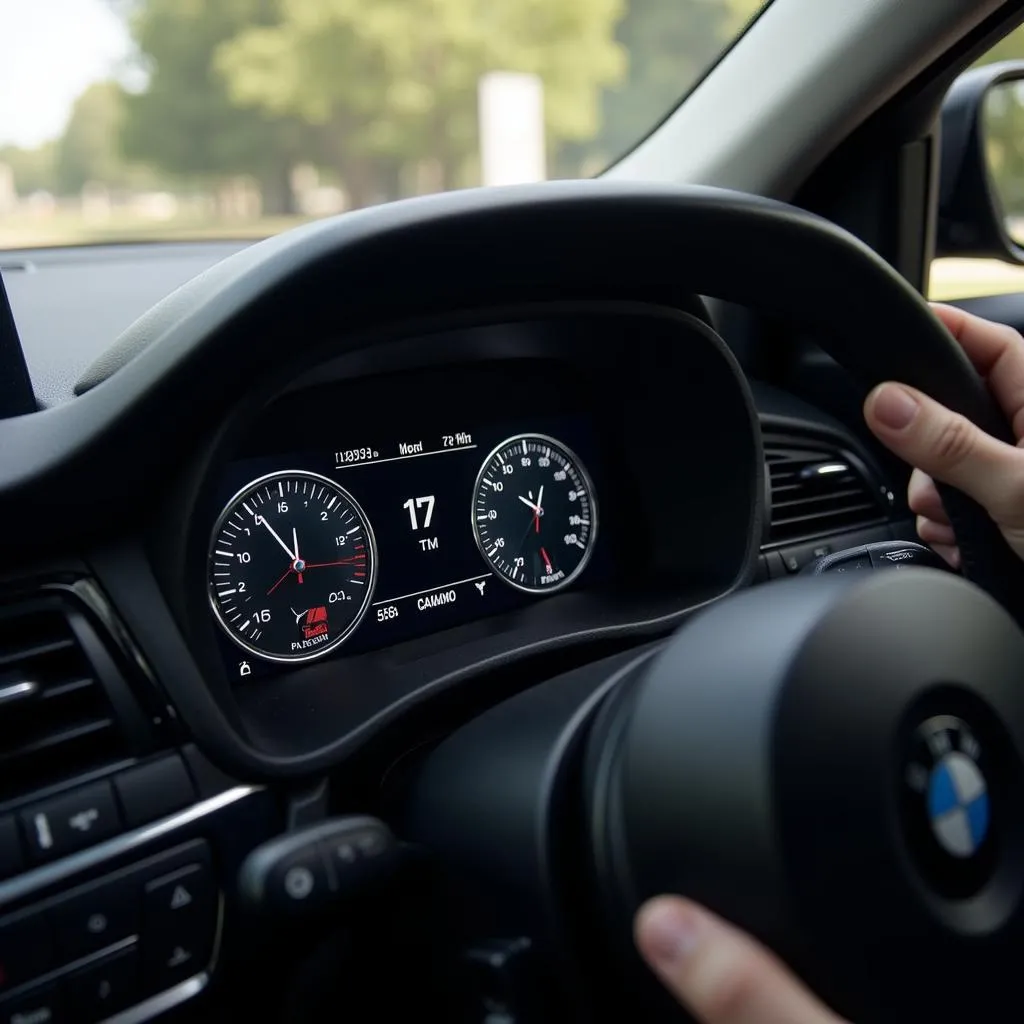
<point x="887" y="555"/>
<point x="178" y="909"/>
<point x="97" y="918"/>
<point x="308" y="871"/>
<point x="111" y="943"/>
<point x="102" y="989"/>
<point x="73" y="821"/>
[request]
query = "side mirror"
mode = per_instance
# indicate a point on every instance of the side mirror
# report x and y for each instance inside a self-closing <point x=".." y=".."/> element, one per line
<point x="981" y="176"/>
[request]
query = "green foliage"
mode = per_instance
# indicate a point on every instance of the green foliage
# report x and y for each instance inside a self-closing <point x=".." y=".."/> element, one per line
<point x="184" y="121"/>
<point x="33" y="169"/>
<point x="396" y="80"/>
<point x="380" y="94"/>
<point x="89" y="149"/>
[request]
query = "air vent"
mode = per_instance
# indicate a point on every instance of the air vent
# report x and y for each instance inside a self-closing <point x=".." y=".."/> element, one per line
<point x="56" y="720"/>
<point x="817" y="489"/>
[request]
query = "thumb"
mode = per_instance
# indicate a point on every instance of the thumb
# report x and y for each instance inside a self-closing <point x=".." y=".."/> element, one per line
<point x="950" y="448"/>
<point x="719" y="974"/>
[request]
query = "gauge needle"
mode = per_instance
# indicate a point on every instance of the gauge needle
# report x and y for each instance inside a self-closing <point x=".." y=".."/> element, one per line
<point x="273" y="533"/>
<point x="538" y="509"/>
<point x="298" y="566"/>
<point x="341" y="561"/>
<point x="547" y="561"/>
<point x="287" y="573"/>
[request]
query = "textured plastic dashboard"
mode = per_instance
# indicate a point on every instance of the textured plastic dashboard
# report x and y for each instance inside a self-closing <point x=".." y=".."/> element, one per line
<point x="674" y="466"/>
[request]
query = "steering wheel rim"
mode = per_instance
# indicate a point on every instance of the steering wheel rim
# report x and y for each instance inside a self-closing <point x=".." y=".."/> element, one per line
<point x="588" y="237"/>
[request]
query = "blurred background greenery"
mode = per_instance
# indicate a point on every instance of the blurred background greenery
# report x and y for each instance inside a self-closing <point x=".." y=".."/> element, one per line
<point x="240" y="117"/>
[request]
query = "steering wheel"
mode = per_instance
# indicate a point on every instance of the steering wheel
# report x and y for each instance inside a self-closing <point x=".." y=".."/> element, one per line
<point x="834" y="764"/>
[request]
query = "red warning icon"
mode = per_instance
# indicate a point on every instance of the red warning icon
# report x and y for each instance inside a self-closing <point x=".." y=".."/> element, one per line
<point x="315" y="622"/>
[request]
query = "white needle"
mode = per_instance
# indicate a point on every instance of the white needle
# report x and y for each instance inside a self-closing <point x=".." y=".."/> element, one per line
<point x="536" y="508"/>
<point x="540" y="500"/>
<point x="295" y="542"/>
<point x="273" y="533"/>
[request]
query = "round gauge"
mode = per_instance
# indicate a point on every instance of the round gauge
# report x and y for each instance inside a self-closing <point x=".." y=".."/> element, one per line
<point x="534" y="513"/>
<point x="292" y="566"/>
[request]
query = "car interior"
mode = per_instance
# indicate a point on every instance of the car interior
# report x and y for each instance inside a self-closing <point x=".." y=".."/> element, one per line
<point x="389" y="607"/>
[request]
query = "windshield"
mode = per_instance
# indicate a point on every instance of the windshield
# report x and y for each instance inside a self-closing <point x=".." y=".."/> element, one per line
<point x="125" y="120"/>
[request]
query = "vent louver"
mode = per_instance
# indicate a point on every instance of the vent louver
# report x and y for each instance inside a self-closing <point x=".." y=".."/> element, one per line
<point x="816" y="489"/>
<point x="56" y="720"/>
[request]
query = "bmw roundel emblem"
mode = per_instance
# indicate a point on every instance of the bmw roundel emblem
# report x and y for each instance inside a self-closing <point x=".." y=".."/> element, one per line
<point x="948" y="804"/>
<point x="958" y="804"/>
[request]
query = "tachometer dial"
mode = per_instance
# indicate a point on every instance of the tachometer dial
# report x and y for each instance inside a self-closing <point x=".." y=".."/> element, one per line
<point x="292" y="566"/>
<point x="534" y="513"/>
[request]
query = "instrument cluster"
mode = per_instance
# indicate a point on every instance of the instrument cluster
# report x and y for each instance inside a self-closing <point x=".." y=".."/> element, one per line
<point x="358" y="535"/>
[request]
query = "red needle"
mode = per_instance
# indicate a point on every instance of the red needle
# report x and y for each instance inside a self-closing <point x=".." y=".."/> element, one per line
<point x="547" y="561"/>
<point x="281" y="580"/>
<point x="343" y="561"/>
<point x="536" y="522"/>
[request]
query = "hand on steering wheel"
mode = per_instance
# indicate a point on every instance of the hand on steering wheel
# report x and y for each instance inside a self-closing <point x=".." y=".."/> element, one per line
<point x="944" y="446"/>
<point x="718" y="972"/>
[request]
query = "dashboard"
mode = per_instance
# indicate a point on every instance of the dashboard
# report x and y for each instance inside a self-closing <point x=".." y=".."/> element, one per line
<point x="351" y="522"/>
<point x="318" y="526"/>
<point x="367" y="529"/>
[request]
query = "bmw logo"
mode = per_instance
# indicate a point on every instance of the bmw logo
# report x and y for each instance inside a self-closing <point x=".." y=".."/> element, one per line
<point x="958" y="804"/>
<point x="947" y="805"/>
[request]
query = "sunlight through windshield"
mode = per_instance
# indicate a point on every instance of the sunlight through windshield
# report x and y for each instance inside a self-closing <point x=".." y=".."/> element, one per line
<point x="182" y="119"/>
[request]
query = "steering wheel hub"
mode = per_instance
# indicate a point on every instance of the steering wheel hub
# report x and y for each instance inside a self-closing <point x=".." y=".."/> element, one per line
<point x="845" y="782"/>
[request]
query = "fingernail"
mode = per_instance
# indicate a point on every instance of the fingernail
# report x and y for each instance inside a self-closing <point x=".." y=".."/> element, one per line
<point x="894" y="407"/>
<point x="669" y="930"/>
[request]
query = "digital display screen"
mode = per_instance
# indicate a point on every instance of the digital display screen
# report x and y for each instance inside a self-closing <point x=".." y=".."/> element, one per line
<point x="448" y="524"/>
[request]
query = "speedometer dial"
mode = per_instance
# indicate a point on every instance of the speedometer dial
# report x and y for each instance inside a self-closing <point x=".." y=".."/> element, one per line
<point x="292" y="566"/>
<point x="534" y="513"/>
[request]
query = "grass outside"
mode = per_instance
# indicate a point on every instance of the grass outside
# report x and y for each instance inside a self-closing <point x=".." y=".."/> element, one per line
<point x="968" y="279"/>
<point x="950" y="278"/>
<point x="28" y="230"/>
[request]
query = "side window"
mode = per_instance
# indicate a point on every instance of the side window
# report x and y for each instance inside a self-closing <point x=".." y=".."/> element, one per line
<point x="958" y="278"/>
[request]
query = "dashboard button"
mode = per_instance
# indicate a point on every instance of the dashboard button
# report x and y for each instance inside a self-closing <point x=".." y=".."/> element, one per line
<point x="904" y="555"/>
<point x="12" y="857"/>
<point x="172" y="956"/>
<point x="94" y="919"/>
<point x="299" y="880"/>
<point x="154" y="790"/>
<point x="71" y="822"/>
<point x="180" y="921"/>
<point x="358" y="857"/>
<point x="795" y="558"/>
<point x="186" y="894"/>
<point x="26" y="950"/>
<point x="106" y="987"/>
<point x="40" y="1006"/>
